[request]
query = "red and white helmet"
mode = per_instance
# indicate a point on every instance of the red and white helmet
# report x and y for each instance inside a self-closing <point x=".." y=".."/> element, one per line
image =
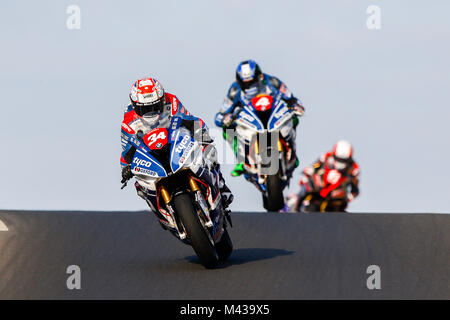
<point x="147" y="96"/>
<point x="342" y="154"/>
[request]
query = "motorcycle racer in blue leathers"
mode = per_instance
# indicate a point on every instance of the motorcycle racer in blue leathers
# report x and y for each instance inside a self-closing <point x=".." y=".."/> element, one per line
<point x="250" y="82"/>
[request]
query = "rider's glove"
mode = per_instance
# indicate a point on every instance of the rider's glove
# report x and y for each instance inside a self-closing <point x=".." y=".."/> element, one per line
<point x="298" y="109"/>
<point x="126" y="174"/>
<point x="350" y="197"/>
<point x="308" y="171"/>
<point x="202" y="135"/>
<point x="227" y="120"/>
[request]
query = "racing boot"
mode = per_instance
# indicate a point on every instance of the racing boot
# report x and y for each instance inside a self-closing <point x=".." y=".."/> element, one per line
<point x="238" y="170"/>
<point x="225" y="192"/>
<point x="227" y="199"/>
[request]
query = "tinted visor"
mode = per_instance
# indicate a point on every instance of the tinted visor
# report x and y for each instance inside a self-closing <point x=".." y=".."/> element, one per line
<point x="247" y="84"/>
<point x="341" y="163"/>
<point x="338" y="159"/>
<point x="157" y="107"/>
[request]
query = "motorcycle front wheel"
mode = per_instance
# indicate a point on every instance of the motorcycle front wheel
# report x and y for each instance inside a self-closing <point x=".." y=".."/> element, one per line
<point x="274" y="200"/>
<point x="200" y="240"/>
<point x="224" y="247"/>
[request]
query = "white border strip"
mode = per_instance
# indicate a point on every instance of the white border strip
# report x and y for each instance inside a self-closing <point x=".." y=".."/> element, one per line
<point x="3" y="226"/>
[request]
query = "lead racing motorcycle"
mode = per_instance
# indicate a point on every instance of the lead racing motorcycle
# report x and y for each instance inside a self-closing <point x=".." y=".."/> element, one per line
<point x="265" y="138"/>
<point x="181" y="186"/>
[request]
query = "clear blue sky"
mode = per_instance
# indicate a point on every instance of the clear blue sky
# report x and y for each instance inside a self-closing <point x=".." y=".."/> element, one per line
<point x="63" y="91"/>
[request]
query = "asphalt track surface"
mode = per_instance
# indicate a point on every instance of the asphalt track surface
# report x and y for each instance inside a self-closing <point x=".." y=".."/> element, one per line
<point x="127" y="255"/>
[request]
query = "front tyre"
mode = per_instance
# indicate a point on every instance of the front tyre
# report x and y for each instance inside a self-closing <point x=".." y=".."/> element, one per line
<point x="200" y="240"/>
<point x="274" y="200"/>
<point x="224" y="247"/>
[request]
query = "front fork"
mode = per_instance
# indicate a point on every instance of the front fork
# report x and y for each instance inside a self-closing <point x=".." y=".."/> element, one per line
<point x="323" y="205"/>
<point x="176" y="221"/>
<point x="206" y="217"/>
<point x="205" y="214"/>
<point x="281" y="162"/>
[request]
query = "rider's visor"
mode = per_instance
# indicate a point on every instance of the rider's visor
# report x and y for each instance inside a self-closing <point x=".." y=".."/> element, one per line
<point x="249" y="83"/>
<point x="341" y="163"/>
<point x="149" y="109"/>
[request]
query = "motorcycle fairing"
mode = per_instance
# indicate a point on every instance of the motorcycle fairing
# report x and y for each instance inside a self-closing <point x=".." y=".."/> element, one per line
<point x="249" y="124"/>
<point x="145" y="164"/>
<point x="181" y="149"/>
<point x="249" y="119"/>
<point x="279" y="116"/>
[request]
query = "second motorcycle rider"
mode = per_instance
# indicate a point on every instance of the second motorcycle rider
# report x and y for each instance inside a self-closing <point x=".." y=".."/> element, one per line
<point x="250" y="82"/>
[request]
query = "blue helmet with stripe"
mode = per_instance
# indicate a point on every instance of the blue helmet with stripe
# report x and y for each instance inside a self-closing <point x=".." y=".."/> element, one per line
<point x="248" y="73"/>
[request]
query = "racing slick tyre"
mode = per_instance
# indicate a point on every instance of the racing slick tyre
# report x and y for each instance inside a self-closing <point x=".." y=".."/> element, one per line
<point x="224" y="247"/>
<point x="200" y="240"/>
<point x="275" y="199"/>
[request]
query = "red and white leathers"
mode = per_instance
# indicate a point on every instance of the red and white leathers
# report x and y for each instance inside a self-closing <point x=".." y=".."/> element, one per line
<point x="133" y="124"/>
<point x="327" y="161"/>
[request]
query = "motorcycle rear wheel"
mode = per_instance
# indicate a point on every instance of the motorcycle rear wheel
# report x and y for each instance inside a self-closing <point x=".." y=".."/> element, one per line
<point x="200" y="241"/>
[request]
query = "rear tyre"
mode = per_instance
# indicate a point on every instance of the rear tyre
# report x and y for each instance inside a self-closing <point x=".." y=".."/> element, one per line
<point x="264" y="201"/>
<point x="275" y="199"/>
<point x="200" y="240"/>
<point x="224" y="247"/>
